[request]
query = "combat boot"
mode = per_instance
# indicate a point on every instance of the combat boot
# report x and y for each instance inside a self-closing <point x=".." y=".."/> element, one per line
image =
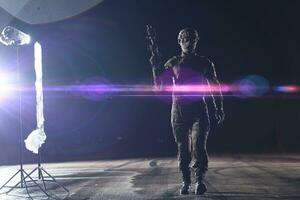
<point x="185" y="188"/>
<point x="186" y="184"/>
<point x="200" y="188"/>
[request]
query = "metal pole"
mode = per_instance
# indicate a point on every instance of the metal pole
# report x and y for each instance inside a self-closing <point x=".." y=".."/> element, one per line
<point x="20" y="118"/>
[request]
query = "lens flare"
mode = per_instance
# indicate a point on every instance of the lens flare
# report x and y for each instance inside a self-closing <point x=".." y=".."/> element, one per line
<point x="252" y="86"/>
<point x="287" y="89"/>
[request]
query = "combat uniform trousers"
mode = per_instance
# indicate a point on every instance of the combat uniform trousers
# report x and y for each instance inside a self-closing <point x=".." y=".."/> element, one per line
<point x="190" y="124"/>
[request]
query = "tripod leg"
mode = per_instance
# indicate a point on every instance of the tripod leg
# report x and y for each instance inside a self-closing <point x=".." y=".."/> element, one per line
<point x="28" y="176"/>
<point x="16" y="185"/>
<point x="21" y="170"/>
<point x="22" y="182"/>
<point x="26" y="187"/>
<point x="55" y="180"/>
<point x="9" y="180"/>
<point x="41" y="176"/>
<point x="22" y="178"/>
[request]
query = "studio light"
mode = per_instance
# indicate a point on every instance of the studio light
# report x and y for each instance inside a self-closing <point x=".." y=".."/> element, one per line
<point x="13" y="36"/>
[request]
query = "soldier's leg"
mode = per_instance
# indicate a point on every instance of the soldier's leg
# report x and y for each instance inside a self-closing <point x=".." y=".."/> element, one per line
<point x="200" y="131"/>
<point x="180" y="132"/>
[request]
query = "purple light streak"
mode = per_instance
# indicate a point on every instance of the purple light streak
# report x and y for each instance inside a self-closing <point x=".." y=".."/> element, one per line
<point x="145" y="90"/>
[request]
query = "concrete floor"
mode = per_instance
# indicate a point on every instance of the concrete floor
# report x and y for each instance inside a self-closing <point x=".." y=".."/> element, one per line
<point x="255" y="177"/>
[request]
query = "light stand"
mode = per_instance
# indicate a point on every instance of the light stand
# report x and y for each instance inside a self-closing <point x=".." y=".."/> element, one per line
<point x="12" y="36"/>
<point x="45" y="178"/>
<point x="23" y="174"/>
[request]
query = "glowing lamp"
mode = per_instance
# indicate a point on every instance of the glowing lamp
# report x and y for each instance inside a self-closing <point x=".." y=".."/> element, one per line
<point x="13" y="36"/>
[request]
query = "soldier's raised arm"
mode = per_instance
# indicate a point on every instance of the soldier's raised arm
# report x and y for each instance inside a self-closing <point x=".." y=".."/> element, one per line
<point x="156" y="59"/>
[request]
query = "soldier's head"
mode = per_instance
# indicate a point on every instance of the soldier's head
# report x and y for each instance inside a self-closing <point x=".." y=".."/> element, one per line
<point x="188" y="39"/>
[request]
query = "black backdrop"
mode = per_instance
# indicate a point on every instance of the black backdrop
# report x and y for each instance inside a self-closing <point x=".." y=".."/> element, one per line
<point x="108" y="42"/>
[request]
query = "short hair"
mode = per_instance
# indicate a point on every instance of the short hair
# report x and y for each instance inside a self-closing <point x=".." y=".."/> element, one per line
<point x="188" y="32"/>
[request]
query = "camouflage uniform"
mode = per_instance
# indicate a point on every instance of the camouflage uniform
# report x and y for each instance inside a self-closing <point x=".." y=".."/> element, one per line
<point x="190" y="114"/>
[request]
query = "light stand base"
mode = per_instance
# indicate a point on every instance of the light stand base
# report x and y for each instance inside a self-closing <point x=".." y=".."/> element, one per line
<point x="22" y="183"/>
<point x="27" y="178"/>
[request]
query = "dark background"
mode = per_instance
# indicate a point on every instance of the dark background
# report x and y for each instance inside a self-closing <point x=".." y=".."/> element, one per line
<point x="108" y="43"/>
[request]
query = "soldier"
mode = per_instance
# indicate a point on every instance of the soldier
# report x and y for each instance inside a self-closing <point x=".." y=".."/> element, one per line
<point x="189" y="115"/>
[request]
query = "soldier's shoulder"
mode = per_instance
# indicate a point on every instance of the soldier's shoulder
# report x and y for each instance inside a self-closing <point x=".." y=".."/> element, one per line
<point x="205" y="60"/>
<point x="172" y="61"/>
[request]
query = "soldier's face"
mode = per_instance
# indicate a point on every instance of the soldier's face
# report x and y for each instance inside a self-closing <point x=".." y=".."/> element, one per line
<point x="188" y="45"/>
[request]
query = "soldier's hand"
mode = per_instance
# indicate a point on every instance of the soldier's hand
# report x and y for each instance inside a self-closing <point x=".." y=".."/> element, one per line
<point x="155" y="60"/>
<point x="220" y="115"/>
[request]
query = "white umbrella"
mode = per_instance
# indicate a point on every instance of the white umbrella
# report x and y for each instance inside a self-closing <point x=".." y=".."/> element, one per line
<point x="46" y="11"/>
